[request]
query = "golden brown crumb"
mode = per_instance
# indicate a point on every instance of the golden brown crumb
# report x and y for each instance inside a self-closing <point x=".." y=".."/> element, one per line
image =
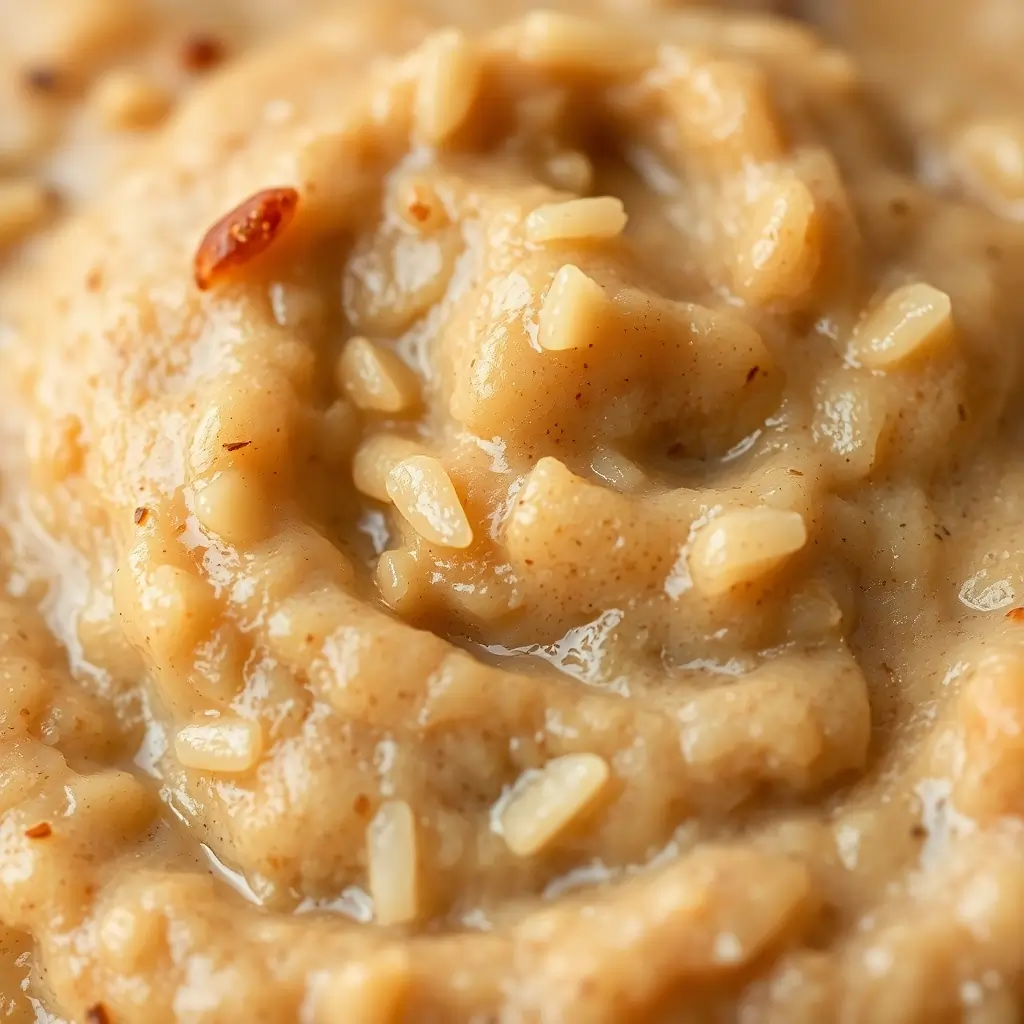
<point x="1015" y="614"/>
<point x="234" y="446"/>
<point x="141" y="515"/>
<point x="244" y="233"/>
<point x="97" y="1015"/>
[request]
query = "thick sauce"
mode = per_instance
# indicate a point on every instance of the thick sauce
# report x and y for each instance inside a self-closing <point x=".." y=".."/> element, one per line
<point x="512" y="515"/>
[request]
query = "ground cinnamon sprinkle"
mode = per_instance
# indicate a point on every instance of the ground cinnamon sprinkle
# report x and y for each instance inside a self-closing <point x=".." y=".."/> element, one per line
<point x="97" y="1015"/>
<point x="244" y="233"/>
<point x="202" y="52"/>
<point x="42" y="79"/>
<point x="420" y="210"/>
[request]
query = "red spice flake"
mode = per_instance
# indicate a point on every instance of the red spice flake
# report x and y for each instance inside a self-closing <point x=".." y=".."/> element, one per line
<point x="202" y="52"/>
<point x="41" y="831"/>
<point x="246" y="232"/>
<point x="141" y="515"/>
<point x="233" y="446"/>
<point x="97" y="1015"/>
<point x="361" y="805"/>
<point x="1015" y="614"/>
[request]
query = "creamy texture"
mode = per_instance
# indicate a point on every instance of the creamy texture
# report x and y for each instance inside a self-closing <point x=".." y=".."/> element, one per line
<point x="562" y="570"/>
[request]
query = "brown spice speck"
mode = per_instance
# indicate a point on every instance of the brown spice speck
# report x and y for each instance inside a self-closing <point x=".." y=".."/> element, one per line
<point x="41" y="831"/>
<point x="42" y="79"/>
<point x="234" y="446"/>
<point x="419" y="210"/>
<point x="752" y="373"/>
<point x="361" y="805"/>
<point x="97" y="1015"/>
<point x="918" y="831"/>
<point x="141" y="515"/>
<point x="1015" y="614"/>
<point x="243" y="234"/>
<point x="201" y="52"/>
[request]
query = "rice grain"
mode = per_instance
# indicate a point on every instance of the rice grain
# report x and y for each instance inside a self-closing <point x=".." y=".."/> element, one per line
<point x="545" y="803"/>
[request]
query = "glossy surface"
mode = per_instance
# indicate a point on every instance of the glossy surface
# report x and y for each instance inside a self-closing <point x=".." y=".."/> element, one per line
<point x="486" y="605"/>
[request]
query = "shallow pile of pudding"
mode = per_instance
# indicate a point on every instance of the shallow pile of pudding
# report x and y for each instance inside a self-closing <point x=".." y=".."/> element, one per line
<point x="515" y="516"/>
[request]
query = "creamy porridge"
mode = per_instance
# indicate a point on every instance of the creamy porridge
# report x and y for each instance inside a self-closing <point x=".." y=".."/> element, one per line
<point x="509" y="515"/>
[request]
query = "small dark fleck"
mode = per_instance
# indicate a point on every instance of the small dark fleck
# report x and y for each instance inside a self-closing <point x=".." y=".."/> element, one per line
<point x="752" y="373"/>
<point x="41" y="831"/>
<point x="961" y="411"/>
<point x="795" y="472"/>
<point x="918" y="831"/>
<point x="97" y="1015"/>
<point x="675" y="450"/>
<point x="141" y="515"/>
<point x="361" y="805"/>
<point x="202" y="52"/>
<point x="42" y="79"/>
<point x="234" y="446"/>
<point x="900" y="207"/>
<point x="419" y="210"/>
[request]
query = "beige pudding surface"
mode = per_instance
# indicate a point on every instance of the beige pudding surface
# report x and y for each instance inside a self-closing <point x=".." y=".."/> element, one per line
<point x="512" y="515"/>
